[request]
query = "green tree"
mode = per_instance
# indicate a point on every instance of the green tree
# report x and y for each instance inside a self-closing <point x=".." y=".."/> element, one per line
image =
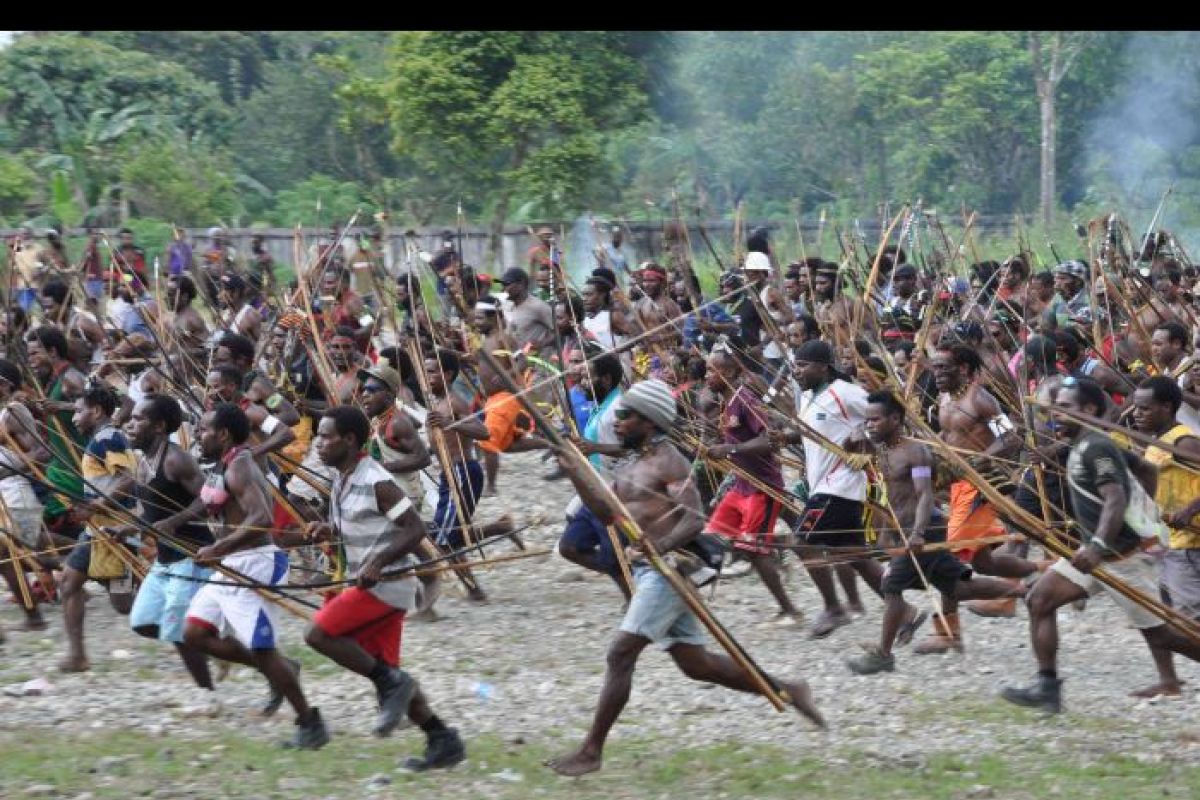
<point x="957" y="117"/>
<point x="321" y="200"/>
<point x="18" y="184"/>
<point x="231" y="60"/>
<point x="57" y="79"/>
<point x="515" y="116"/>
<point x="180" y="181"/>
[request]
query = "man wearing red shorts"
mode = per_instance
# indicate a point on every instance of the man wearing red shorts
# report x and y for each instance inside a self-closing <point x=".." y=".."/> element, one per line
<point x="360" y="628"/>
<point x="746" y="514"/>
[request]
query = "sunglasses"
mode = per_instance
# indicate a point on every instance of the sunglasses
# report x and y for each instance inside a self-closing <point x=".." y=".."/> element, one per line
<point x="372" y="388"/>
<point x="624" y="413"/>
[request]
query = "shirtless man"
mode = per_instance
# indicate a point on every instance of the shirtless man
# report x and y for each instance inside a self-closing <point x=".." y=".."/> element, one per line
<point x="490" y="325"/>
<point x="80" y="326"/>
<point x="344" y="358"/>
<point x="654" y="486"/>
<point x="833" y="311"/>
<point x="224" y="386"/>
<point x="1154" y="308"/>
<point x="907" y="469"/>
<point x="972" y="420"/>
<point x="240" y="317"/>
<point x="189" y="327"/>
<point x="655" y="308"/>
<point x="235" y="497"/>
<point x="1169" y="346"/>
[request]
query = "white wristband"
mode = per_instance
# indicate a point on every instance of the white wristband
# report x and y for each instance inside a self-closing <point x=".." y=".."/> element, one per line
<point x="398" y="510"/>
<point x="270" y="424"/>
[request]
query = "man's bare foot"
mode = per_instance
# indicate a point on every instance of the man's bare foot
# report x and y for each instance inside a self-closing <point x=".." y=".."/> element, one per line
<point x="856" y="607"/>
<point x="74" y="664"/>
<point x="476" y="595"/>
<point x="802" y="700"/>
<point x="1159" y="689"/>
<point x="576" y="764"/>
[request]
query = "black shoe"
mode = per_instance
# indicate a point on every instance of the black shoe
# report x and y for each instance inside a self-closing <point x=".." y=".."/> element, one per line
<point x="443" y="749"/>
<point x="393" y="702"/>
<point x="1045" y="694"/>
<point x="275" y="697"/>
<point x="310" y="735"/>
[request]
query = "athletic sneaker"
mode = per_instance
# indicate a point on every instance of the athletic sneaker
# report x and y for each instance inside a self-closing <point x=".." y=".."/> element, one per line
<point x="443" y="749"/>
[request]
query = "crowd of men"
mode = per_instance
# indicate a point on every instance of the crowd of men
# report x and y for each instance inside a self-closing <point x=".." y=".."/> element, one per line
<point x="217" y="448"/>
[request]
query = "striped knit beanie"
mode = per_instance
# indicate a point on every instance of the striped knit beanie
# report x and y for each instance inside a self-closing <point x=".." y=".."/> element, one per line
<point x="653" y="400"/>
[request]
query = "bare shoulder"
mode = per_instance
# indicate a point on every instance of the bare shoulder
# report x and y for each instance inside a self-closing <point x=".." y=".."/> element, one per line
<point x="982" y="402"/>
<point x="916" y="454"/>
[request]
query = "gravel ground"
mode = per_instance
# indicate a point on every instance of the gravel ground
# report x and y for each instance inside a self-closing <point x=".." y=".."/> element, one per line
<point x="528" y="667"/>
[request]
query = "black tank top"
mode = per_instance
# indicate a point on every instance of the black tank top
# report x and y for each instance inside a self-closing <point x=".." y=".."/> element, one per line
<point x="162" y="498"/>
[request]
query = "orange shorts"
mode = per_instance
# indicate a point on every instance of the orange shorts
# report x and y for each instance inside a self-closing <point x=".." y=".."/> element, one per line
<point x="970" y="518"/>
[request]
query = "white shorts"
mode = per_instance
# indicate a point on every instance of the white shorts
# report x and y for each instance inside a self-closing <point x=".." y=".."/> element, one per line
<point x="1137" y="571"/>
<point x="239" y="610"/>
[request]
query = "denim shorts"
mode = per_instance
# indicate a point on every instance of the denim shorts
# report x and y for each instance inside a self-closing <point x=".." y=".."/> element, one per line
<point x="658" y="613"/>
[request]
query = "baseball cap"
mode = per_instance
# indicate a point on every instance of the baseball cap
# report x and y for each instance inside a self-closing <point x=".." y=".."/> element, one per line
<point x="383" y="373"/>
<point x="514" y="275"/>
<point x="233" y="282"/>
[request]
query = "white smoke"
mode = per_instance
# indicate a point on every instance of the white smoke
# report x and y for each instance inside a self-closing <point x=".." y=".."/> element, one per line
<point x="1142" y="141"/>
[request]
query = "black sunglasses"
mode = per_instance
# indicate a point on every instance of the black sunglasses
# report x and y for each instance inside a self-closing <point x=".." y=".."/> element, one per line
<point x="625" y="413"/>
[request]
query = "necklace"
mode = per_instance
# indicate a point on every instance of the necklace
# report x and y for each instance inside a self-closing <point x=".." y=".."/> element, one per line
<point x="960" y="391"/>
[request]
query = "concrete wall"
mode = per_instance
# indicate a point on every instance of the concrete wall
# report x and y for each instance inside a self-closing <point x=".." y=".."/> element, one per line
<point x="642" y="240"/>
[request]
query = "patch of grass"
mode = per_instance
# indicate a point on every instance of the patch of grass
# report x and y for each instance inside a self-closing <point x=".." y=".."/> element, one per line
<point x="243" y="766"/>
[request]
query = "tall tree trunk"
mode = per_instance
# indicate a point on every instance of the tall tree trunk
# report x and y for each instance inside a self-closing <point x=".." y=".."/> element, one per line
<point x="496" y="231"/>
<point x="1049" y="114"/>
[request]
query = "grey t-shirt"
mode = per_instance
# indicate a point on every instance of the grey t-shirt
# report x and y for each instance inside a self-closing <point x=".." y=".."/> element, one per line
<point x="529" y="321"/>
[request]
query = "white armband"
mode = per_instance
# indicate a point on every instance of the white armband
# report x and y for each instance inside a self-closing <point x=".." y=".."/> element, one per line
<point x="1000" y="425"/>
<point x="398" y="510"/>
<point x="270" y="424"/>
<point x="365" y="321"/>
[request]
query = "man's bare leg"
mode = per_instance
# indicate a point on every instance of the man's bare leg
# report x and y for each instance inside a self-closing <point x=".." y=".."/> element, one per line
<point x="270" y="663"/>
<point x="618" y="681"/>
<point x="701" y="665"/>
<point x="768" y="570"/>
<point x="70" y="587"/>
<point x="1168" y="684"/>
<point x="848" y="577"/>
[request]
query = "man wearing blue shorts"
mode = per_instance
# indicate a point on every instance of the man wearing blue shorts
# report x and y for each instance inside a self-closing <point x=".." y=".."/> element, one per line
<point x="168" y="481"/>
